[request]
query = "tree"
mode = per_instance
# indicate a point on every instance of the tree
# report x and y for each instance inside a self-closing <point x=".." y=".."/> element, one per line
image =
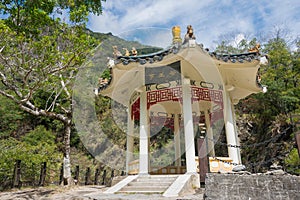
<point x="234" y="42"/>
<point x="20" y="11"/>
<point x="268" y="116"/>
<point x="39" y="58"/>
<point x="282" y="77"/>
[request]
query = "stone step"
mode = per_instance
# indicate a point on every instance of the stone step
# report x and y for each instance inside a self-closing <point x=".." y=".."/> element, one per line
<point x="154" y="180"/>
<point x="157" y="178"/>
<point x="159" y="175"/>
<point x="141" y="192"/>
<point x="145" y="184"/>
<point x="144" y="188"/>
<point x="149" y="184"/>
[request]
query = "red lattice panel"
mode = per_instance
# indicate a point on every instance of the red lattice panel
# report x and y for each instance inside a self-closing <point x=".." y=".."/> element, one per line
<point x="175" y="94"/>
<point x="205" y="94"/>
<point x="169" y="94"/>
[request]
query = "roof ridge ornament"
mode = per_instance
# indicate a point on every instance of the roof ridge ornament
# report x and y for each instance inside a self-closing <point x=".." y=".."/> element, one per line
<point x="116" y="52"/>
<point x="134" y="51"/>
<point x="189" y="38"/>
<point x="255" y="49"/>
<point x="127" y="53"/>
<point x="176" y="32"/>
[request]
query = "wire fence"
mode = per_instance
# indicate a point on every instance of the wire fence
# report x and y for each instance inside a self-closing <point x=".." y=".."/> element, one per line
<point x="244" y="146"/>
<point x="263" y="143"/>
<point x="252" y="164"/>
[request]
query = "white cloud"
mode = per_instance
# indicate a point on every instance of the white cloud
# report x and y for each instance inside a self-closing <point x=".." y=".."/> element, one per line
<point x="210" y="18"/>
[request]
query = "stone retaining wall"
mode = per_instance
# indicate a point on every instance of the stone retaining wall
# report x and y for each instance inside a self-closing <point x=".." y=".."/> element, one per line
<point x="254" y="187"/>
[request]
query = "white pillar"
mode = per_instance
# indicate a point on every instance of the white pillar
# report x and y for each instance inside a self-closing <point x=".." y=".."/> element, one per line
<point x="129" y="139"/>
<point x="231" y="135"/>
<point x="188" y="127"/>
<point x="209" y="134"/>
<point x="177" y="141"/>
<point x="144" y="135"/>
<point x="236" y="134"/>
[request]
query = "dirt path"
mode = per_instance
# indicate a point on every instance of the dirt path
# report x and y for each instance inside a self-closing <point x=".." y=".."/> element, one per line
<point x="84" y="193"/>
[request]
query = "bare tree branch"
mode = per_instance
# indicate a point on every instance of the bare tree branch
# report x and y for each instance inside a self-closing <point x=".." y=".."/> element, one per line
<point x="64" y="86"/>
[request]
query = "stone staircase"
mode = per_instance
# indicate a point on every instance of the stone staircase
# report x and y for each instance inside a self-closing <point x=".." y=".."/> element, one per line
<point x="149" y="184"/>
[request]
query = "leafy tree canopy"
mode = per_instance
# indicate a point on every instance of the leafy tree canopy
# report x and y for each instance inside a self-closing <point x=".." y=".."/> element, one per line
<point x="16" y="8"/>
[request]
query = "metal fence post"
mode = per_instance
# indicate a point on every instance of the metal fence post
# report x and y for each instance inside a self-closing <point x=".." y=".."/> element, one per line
<point x="17" y="175"/>
<point x="297" y="137"/>
<point x="122" y="173"/>
<point x="87" y="176"/>
<point x="43" y="174"/>
<point x="104" y="177"/>
<point x="61" y="175"/>
<point x="97" y="173"/>
<point x="76" y="177"/>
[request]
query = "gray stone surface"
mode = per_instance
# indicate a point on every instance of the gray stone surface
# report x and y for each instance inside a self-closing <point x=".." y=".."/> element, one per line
<point x="239" y="168"/>
<point x="86" y="193"/>
<point x="255" y="186"/>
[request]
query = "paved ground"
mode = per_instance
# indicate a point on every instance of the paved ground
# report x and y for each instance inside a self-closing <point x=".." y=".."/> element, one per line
<point x="85" y="193"/>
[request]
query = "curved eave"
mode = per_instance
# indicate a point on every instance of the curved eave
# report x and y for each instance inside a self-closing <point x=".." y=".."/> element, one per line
<point x="123" y="84"/>
<point x="240" y="77"/>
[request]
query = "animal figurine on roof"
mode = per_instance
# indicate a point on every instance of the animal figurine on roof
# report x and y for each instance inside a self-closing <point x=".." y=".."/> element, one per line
<point x="133" y="51"/>
<point x="110" y="63"/>
<point x="102" y="81"/>
<point x="126" y="52"/>
<point x="189" y="34"/>
<point x="255" y="49"/>
<point x="116" y="52"/>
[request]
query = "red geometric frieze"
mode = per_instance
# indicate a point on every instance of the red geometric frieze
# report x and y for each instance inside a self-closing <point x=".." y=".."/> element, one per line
<point x="175" y="94"/>
<point x="206" y="94"/>
<point x="168" y="94"/>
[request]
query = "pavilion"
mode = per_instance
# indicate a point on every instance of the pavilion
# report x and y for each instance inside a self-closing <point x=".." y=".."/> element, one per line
<point x="182" y="87"/>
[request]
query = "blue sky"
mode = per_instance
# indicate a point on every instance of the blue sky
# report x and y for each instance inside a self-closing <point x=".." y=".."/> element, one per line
<point x="211" y="19"/>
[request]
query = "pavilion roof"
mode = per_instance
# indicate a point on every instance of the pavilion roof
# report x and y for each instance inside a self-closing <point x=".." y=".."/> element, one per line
<point x="239" y="71"/>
